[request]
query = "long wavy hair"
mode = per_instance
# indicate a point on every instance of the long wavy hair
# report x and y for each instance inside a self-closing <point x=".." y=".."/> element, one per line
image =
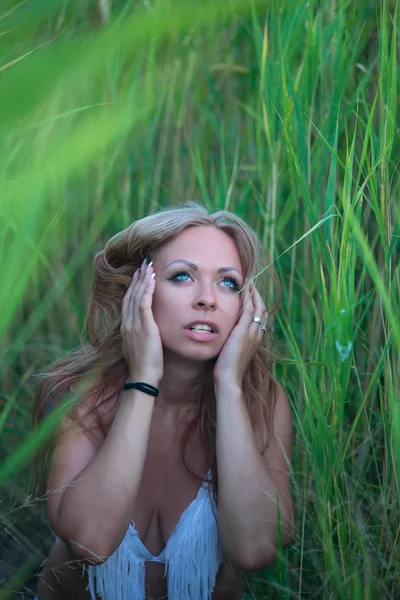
<point x="100" y="355"/>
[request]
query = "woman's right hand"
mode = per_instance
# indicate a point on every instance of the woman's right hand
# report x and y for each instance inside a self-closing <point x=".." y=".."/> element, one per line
<point x="141" y="341"/>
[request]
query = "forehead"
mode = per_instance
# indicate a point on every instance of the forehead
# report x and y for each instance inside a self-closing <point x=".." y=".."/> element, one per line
<point x="202" y="245"/>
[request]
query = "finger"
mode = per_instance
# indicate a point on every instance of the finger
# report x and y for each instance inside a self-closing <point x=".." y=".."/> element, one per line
<point x="259" y="311"/>
<point x="266" y="315"/>
<point x="141" y="279"/>
<point x="149" y="285"/>
<point x="126" y="312"/>
<point x="248" y="309"/>
<point x="259" y="305"/>
<point x="145" y="296"/>
<point x="138" y="293"/>
<point x="132" y="297"/>
<point x="146" y="312"/>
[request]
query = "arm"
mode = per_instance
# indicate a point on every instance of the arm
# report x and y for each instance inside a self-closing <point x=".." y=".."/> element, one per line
<point x="95" y="489"/>
<point x="249" y="483"/>
<point x="90" y="504"/>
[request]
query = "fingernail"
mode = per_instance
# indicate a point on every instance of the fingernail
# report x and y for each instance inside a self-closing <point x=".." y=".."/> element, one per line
<point x="135" y="274"/>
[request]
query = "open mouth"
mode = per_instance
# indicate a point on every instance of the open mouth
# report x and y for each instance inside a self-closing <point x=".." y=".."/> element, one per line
<point x="201" y="335"/>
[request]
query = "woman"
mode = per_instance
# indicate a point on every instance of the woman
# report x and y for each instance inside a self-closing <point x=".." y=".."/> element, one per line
<point x="180" y="394"/>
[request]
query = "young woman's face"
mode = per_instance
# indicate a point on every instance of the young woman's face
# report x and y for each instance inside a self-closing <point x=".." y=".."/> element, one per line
<point x="187" y="293"/>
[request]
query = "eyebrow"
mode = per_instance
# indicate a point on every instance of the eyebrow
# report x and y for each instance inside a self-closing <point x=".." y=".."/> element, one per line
<point x="195" y="267"/>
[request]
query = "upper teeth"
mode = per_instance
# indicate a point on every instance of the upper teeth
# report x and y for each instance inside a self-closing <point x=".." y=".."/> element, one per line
<point x="206" y="327"/>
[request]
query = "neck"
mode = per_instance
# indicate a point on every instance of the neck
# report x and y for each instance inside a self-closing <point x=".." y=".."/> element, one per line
<point x="181" y="384"/>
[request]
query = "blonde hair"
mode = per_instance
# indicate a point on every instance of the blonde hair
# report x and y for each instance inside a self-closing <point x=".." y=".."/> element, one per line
<point x="101" y="353"/>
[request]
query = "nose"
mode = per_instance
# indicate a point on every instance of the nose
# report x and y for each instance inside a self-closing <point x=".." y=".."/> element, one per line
<point x="205" y="298"/>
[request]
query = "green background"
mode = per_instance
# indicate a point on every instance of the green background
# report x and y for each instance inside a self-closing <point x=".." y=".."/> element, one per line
<point x="284" y="112"/>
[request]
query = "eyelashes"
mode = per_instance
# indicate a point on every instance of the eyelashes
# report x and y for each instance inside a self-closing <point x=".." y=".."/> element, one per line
<point x="231" y="279"/>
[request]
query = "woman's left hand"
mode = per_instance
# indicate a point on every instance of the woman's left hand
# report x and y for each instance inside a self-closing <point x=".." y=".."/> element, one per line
<point x="243" y="341"/>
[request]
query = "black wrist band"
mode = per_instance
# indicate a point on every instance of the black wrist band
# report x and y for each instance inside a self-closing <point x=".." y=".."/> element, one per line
<point x="142" y="387"/>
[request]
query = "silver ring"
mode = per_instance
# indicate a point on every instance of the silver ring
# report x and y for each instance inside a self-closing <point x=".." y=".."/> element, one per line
<point x="257" y="320"/>
<point x="264" y="329"/>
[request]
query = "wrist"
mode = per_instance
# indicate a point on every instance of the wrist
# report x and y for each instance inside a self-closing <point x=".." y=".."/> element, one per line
<point x="225" y="382"/>
<point x="148" y="377"/>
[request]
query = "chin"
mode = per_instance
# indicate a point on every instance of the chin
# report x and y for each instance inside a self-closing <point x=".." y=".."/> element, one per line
<point x="203" y="355"/>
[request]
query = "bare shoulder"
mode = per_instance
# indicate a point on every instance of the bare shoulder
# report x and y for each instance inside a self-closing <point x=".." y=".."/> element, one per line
<point x="77" y="440"/>
<point x="93" y="415"/>
<point x="281" y="432"/>
<point x="283" y="424"/>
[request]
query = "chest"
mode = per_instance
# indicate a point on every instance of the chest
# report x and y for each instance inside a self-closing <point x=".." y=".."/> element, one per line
<point x="167" y="488"/>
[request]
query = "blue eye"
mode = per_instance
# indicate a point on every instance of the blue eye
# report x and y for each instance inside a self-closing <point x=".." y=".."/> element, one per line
<point x="178" y="275"/>
<point x="230" y="279"/>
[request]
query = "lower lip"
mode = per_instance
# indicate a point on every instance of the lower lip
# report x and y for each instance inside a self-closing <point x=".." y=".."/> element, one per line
<point x="200" y="336"/>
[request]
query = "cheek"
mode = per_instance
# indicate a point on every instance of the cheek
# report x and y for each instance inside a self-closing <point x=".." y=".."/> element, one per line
<point x="164" y="311"/>
<point x="156" y="303"/>
<point x="234" y="312"/>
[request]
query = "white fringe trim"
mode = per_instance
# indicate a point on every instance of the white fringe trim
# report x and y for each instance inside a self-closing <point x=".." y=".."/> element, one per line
<point x="121" y="577"/>
<point x="192" y="558"/>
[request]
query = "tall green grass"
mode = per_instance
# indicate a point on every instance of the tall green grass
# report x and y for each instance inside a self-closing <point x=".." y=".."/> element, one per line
<point x="282" y="112"/>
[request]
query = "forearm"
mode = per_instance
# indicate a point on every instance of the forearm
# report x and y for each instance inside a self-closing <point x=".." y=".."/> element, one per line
<point x="247" y="503"/>
<point x="97" y="506"/>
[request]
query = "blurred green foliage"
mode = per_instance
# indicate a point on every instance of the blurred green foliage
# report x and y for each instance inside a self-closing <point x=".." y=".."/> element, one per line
<point x="282" y="112"/>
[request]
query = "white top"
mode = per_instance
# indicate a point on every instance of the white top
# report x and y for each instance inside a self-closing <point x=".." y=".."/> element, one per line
<point x="192" y="557"/>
